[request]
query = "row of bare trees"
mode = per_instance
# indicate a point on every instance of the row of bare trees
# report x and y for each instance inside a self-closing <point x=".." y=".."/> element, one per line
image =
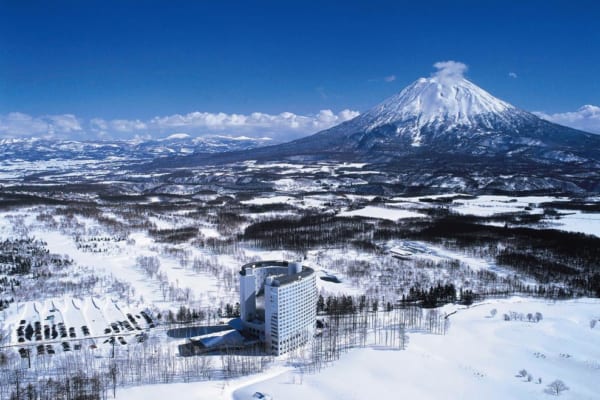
<point x="88" y="374"/>
<point x="346" y="327"/>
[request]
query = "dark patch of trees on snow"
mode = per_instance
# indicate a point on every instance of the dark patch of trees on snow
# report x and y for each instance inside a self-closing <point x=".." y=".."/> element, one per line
<point x="549" y="256"/>
<point x="177" y="235"/>
<point x="565" y="263"/>
<point x="25" y="257"/>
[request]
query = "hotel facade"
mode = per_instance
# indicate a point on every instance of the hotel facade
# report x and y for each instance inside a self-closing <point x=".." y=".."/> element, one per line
<point x="278" y="303"/>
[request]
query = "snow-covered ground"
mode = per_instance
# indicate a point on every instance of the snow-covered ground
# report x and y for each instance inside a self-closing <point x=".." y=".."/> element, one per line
<point x="478" y="358"/>
<point x="268" y="200"/>
<point x="588" y="223"/>
<point x="211" y="390"/>
<point x="120" y="259"/>
<point x="485" y="206"/>
<point x="392" y="214"/>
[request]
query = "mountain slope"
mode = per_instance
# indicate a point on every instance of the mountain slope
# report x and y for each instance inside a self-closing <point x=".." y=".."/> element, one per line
<point x="439" y="103"/>
<point x="35" y="149"/>
<point x="454" y="117"/>
<point x="448" y="127"/>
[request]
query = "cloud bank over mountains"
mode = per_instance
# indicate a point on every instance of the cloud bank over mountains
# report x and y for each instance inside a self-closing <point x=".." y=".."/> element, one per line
<point x="586" y="118"/>
<point x="281" y="127"/>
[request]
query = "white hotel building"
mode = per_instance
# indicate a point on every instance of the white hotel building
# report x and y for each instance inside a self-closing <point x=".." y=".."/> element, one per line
<point x="278" y="303"/>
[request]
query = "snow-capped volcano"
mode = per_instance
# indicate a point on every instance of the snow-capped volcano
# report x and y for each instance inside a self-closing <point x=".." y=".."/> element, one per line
<point x="445" y="129"/>
<point x="448" y="114"/>
<point x="440" y="103"/>
<point x="434" y="100"/>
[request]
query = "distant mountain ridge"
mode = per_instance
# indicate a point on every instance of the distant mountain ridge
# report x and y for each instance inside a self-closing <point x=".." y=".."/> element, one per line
<point x="439" y="133"/>
<point x="37" y="149"/>
<point x="454" y="117"/>
<point x="447" y="128"/>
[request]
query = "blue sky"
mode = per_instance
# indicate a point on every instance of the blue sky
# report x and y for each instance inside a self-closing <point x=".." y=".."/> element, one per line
<point x="92" y="69"/>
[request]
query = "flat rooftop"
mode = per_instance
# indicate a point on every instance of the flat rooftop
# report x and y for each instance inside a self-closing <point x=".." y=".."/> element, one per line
<point x="263" y="264"/>
<point x="280" y="280"/>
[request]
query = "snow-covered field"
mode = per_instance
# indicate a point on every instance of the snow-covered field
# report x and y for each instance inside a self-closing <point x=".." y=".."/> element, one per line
<point x="392" y="214"/>
<point x="588" y="223"/>
<point x="120" y="259"/>
<point x="485" y="206"/>
<point x="478" y="358"/>
<point x="268" y="200"/>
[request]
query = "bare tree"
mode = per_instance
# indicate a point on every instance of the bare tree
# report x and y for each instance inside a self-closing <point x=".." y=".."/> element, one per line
<point x="522" y="373"/>
<point x="556" y="387"/>
<point x="402" y="336"/>
<point x="113" y="372"/>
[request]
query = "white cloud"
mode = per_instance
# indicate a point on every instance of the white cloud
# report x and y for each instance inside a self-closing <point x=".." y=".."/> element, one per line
<point x="513" y="75"/>
<point x="65" y="123"/>
<point x="125" y="125"/>
<point x="98" y="124"/>
<point x="18" y="124"/>
<point x="450" y="70"/>
<point x="387" y="79"/>
<point x="586" y="118"/>
<point x="346" y="115"/>
<point x="283" y="126"/>
<point x="99" y="127"/>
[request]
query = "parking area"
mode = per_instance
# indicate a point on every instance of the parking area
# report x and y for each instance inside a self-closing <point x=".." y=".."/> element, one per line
<point x="71" y="324"/>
